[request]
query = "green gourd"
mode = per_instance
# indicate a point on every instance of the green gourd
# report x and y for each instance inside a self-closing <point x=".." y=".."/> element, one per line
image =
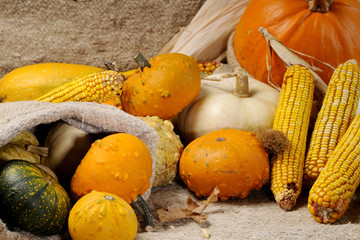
<point x="32" y="199"/>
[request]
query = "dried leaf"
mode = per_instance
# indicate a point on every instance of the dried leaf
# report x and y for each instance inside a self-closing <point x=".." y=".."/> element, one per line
<point x="203" y="204"/>
<point x="171" y="214"/>
<point x="194" y="210"/>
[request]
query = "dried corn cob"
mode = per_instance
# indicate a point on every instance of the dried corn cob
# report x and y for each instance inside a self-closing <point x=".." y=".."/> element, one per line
<point x="337" y="112"/>
<point x="96" y="87"/>
<point x="331" y="193"/>
<point x="292" y="118"/>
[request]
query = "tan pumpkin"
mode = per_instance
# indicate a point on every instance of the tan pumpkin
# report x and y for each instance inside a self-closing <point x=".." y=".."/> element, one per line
<point x="100" y="216"/>
<point x="231" y="159"/>
<point x="221" y="104"/>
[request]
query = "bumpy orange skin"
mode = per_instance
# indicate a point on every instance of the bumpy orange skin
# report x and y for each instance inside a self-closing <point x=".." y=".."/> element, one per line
<point x="120" y="164"/>
<point x="164" y="89"/>
<point x="231" y="159"/>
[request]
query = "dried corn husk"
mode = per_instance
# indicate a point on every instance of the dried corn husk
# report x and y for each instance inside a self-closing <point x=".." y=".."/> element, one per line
<point x="205" y="38"/>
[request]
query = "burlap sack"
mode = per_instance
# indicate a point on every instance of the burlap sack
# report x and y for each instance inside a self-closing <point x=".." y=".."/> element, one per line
<point x="90" y="117"/>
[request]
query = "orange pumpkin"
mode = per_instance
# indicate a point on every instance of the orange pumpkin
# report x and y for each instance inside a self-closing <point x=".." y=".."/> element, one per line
<point x="329" y="34"/>
<point x="120" y="164"/>
<point x="164" y="89"/>
<point x="231" y="159"/>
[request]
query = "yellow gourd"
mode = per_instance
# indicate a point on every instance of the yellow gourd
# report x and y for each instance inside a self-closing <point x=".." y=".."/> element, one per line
<point x="100" y="216"/>
<point x="32" y="81"/>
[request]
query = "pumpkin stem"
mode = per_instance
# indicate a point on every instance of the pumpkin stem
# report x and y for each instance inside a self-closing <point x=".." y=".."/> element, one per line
<point x="141" y="207"/>
<point x="242" y="83"/>
<point x="141" y="61"/>
<point x="319" y="5"/>
<point x="42" y="151"/>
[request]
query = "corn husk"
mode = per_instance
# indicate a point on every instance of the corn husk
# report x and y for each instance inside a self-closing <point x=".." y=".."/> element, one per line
<point x="205" y="38"/>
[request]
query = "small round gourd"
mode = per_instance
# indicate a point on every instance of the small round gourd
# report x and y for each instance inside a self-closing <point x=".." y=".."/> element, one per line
<point x="231" y="159"/>
<point x="100" y="216"/>
<point x="32" y="199"/>
<point x="119" y="163"/>
<point x="164" y="89"/>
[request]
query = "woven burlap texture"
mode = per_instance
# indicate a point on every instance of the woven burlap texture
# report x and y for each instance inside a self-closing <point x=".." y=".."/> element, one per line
<point x="90" y="117"/>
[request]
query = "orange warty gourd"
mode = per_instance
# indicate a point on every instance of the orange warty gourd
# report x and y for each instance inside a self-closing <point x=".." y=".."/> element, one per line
<point x="231" y="159"/>
<point x="330" y="34"/>
<point x="120" y="164"/>
<point x="164" y="89"/>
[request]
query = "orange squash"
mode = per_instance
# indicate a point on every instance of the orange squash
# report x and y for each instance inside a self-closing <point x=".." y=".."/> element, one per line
<point x="328" y="33"/>
<point x="231" y="159"/>
<point x="164" y="89"/>
<point x="32" y="81"/>
<point x="120" y="164"/>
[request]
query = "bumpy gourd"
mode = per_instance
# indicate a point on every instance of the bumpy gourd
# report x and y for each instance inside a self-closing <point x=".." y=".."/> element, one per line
<point x="120" y="164"/>
<point x="17" y="148"/>
<point x="100" y="216"/>
<point x="32" y="81"/>
<point x="231" y="159"/>
<point x="32" y="199"/>
<point x="168" y="150"/>
<point x="164" y="89"/>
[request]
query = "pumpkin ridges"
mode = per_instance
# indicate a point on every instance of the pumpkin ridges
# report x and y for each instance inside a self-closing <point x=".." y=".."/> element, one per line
<point x="34" y="213"/>
<point x="249" y="47"/>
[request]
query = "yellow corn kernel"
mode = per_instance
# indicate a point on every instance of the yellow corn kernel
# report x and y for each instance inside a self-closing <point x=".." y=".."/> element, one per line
<point x="96" y="87"/>
<point x="292" y="118"/>
<point x="341" y="171"/>
<point x="336" y="113"/>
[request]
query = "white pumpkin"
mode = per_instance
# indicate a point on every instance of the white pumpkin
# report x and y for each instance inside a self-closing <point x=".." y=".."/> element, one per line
<point x="219" y="106"/>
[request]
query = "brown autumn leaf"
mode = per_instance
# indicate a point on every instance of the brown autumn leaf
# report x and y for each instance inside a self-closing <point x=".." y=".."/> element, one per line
<point x="194" y="210"/>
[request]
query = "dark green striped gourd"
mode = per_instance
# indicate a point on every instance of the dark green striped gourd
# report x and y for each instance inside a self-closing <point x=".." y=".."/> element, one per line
<point x="32" y="199"/>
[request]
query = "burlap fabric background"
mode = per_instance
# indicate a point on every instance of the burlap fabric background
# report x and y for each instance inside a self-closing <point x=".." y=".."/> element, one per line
<point x="90" y="32"/>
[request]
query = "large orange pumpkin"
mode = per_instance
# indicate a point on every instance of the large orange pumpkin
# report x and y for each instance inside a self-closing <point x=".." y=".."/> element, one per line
<point x="328" y="33"/>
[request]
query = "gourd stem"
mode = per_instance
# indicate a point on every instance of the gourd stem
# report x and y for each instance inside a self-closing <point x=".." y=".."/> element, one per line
<point x="42" y="151"/>
<point x="242" y="83"/>
<point x="143" y="209"/>
<point x="319" y="5"/>
<point x="141" y="61"/>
